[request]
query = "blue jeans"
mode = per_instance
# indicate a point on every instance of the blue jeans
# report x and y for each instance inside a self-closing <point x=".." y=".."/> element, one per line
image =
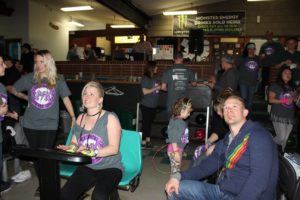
<point x="198" y="190"/>
<point x="247" y="93"/>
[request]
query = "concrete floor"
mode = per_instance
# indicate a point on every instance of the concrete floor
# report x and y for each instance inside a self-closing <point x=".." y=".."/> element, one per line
<point x="154" y="176"/>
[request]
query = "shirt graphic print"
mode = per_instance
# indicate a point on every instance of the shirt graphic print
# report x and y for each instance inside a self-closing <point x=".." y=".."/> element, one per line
<point x="251" y="65"/>
<point x="42" y="97"/>
<point x="92" y="141"/>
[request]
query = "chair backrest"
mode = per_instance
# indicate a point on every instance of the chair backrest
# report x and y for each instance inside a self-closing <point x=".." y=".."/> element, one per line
<point x="69" y="136"/>
<point x="287" y="177"/>
<point x="130" y="149"/>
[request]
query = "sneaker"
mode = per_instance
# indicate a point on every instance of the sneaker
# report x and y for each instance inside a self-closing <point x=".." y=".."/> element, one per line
<point x="5" y="186"/>
<point x="22" y="176"/>
<point x="16" y="175"/>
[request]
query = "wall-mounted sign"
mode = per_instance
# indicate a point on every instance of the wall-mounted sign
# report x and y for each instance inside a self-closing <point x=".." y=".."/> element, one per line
<point x="219" y="23"/>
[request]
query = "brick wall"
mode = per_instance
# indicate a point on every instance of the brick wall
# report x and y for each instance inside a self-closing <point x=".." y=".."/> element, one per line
<point x="126" y="68"/>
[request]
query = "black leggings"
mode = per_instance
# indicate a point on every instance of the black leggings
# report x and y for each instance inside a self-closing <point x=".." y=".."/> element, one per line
<point x="148" y="115"/>
<point x="84" y="178"/>
<point x="40" y="139"/>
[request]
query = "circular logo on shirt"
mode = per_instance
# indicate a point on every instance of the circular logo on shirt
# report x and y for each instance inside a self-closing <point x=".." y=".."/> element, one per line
<point x="286" y="95"/>
<point x="269" y="51"/>
<point x="4" y="101"/>
<point x="92" y="141"/>
<point x="42" y="97"/>
<point x="185" y="136"/>
<point x="251" y="65"/>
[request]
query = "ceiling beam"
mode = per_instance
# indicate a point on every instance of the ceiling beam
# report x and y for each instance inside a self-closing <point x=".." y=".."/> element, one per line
<point x="128" y="11"/>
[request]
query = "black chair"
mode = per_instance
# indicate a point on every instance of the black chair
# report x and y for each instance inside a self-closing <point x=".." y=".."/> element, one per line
<point x="287" y="178"/>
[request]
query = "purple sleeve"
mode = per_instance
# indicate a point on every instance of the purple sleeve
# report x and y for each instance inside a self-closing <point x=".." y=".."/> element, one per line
<point x="208" y="166"/>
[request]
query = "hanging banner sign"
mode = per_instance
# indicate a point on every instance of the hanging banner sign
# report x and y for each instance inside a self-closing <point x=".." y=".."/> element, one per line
<point x="219" y="23"/>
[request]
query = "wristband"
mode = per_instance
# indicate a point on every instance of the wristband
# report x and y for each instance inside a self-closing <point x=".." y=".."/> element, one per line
<point x="209" y="143"/>
<point x="72" y="148"/>
<point x="89" y="152"/>
<point x="284" y="101"/>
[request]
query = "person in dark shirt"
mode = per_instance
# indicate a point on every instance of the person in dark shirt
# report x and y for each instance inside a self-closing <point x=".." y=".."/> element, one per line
<point x="12" y="74"/>
<point x="228" y="79"/>
<point x="249" y="68"/>
<point x="218" y="129"/>
<point x="73" y="53"/>
<point x="267" y="53"/>
<point x="27" y="58"/>
<point x="291" y="58"/>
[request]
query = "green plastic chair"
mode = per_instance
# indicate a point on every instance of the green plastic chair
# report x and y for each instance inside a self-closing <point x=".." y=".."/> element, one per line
<point x="66" y="170"/>
<point x="130" y="149"/>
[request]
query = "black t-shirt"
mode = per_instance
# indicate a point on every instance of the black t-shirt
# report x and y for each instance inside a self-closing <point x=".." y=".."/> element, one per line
<point x="286" y="55"/>
<point x="12" y="74"/>
<point x="218" y="126"/>
<point x="270" y="50"/>
<point x="27" y="60"/>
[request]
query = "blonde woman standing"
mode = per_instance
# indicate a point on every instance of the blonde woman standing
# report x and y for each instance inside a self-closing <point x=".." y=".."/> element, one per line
<point x="44" y="87"/>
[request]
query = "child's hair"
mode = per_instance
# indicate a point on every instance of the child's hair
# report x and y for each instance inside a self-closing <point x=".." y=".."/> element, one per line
<point x="218" y="103"/>
<point x="181" y="104"/>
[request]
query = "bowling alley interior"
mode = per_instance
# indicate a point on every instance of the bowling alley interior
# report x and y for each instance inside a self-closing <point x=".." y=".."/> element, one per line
<point x="149" y="100"/>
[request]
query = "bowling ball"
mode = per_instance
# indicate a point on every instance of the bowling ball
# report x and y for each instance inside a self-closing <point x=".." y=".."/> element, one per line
<point x="164" y="132"/>
<point x="199" y="134"/>
<point x="200" y="119"/>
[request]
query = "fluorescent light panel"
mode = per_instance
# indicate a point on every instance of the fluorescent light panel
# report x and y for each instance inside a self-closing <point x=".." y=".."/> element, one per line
<point x="76" y="8"/>
<point x="183" y="12"/>
<point x="122" y="26"/>
<point x="76" y="23"/>
<point x="259" y="0"/>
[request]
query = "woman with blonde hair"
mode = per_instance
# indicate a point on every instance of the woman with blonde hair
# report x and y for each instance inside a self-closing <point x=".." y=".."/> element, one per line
<point x="44" y="87"/>
<point x="97" y="133"/>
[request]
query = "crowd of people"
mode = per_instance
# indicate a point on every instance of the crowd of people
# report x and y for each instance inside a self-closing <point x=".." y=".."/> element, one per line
<point x="240" y="150"/>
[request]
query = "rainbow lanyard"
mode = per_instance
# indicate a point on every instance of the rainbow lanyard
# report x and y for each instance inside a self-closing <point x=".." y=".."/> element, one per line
<point x="237" y="153"/>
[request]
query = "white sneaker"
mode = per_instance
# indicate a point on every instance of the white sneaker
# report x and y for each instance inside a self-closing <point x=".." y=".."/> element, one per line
<point x="15" y="176"/>
<point x="22" y="176"/>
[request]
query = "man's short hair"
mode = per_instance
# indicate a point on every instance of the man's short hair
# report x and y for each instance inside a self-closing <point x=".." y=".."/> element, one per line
<point x="26" y="46"/>
<point x="237" y="97"/>
<point x="291" y="38"/>
<point x="228" y="59"/>
<point x="178" y="55"/>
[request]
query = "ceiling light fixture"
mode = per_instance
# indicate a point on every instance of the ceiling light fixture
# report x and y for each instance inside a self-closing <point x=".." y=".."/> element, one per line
<point x="183" y="12"/>
<point x="122" y="26"/>
<point x="259" y="0"/>
<point x="76" y="8"/>
<point x="76" y="23"/>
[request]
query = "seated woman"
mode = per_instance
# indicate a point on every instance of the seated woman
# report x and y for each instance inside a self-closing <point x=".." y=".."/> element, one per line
<point x="96" y="133"/>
